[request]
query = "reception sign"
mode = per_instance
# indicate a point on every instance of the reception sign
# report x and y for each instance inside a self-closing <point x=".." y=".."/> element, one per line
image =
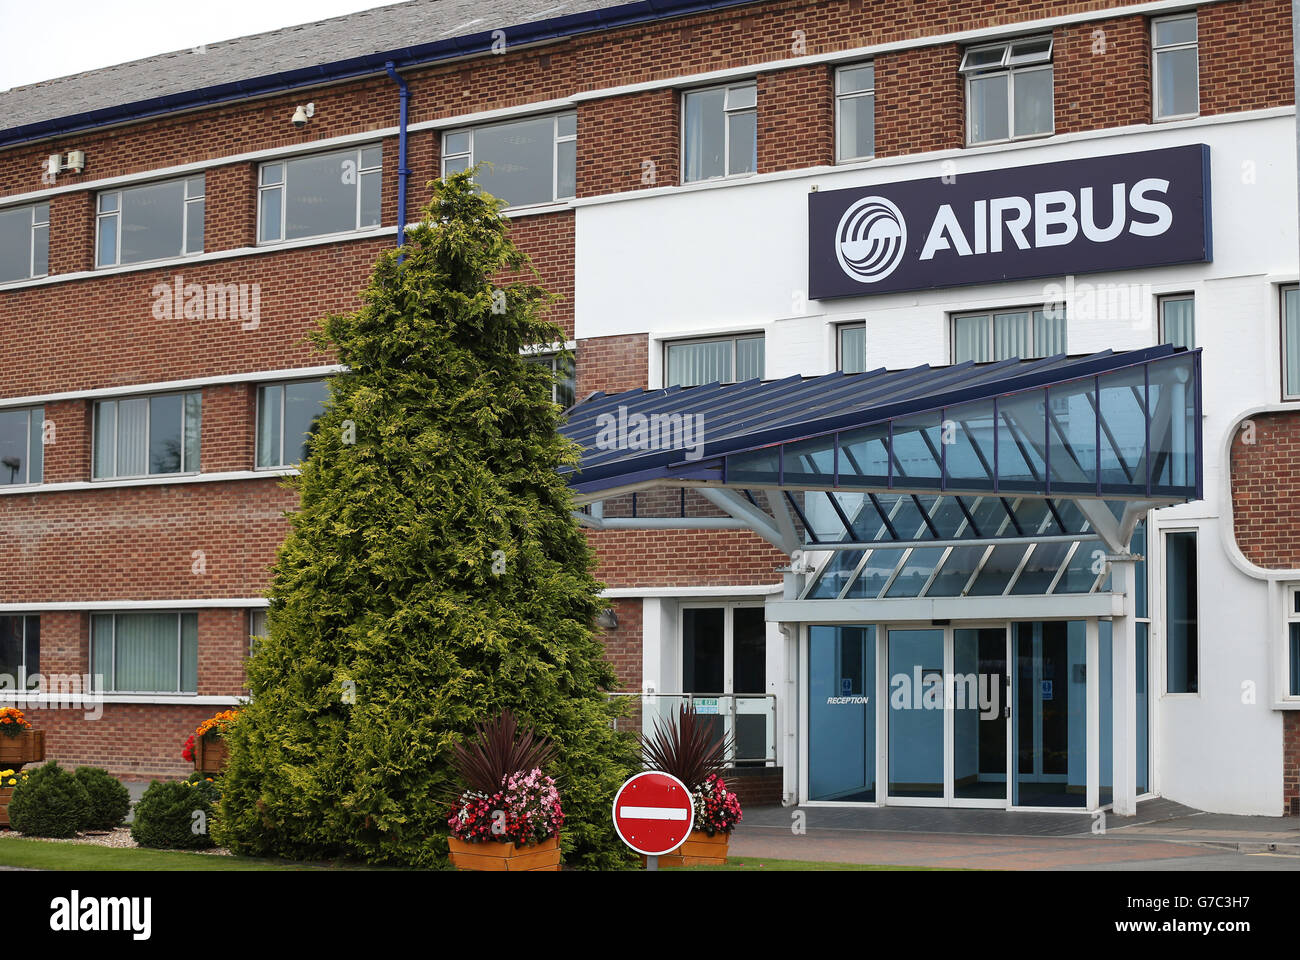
<point x="1046" y="220"/>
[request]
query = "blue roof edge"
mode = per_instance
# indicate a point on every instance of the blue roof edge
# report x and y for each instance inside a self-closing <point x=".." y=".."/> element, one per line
<point x="554" y="28"/>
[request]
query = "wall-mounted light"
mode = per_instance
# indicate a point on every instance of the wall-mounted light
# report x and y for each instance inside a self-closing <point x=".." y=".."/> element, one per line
<point x="302" y="114"/>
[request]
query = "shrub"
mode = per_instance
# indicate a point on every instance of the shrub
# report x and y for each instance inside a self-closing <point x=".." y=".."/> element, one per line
<point x="50" y="802"/>
<point x="109" y="800"/>
<point x="176" y="814"/>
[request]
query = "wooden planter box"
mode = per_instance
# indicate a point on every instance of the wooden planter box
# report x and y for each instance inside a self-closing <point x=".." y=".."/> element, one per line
<point x="210" y="754"/>
<point x="6" y="794"/>
<point x="27" y="747"/>
<point x="505" y="856"/>
<point x="699" y="849"/>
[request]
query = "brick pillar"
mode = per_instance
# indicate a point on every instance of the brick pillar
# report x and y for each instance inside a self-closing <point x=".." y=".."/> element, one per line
<point x="1291" y="762"/>
<point x="72" y="232"/>
<point x="796" y="120"/>
<point x="227" y="441"/>
<point x="223" y="646"/>
<point x="630" y="142"/>
<point x="69" y="425"/>
<point x="613" y="364"/>
<point x="230" y="207"/>
<point x="919" y="101"/>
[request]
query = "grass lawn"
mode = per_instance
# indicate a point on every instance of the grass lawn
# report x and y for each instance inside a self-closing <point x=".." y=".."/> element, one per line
<point x="42" y="855"/>
<point x="767" y="863"/>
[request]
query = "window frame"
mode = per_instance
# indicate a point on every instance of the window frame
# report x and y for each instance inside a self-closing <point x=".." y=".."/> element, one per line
<point x="116" y="214"/>
<point x="733" y="338"/>
<point x="148" y="435"/>
<point x="257" y="423"/>
<point x="34" y="224"/>
<point x="1161" y="301"/>
<point x="253" y="614"/>
<point x="110" y="684"/>
<point x="1164" y="607"/>
<point x="840" y="330"/>
<point x="1290" y="618"/>
<point x="840" y="97"/>
<point x="727" y="112"/>
<point x="1286" y="345"/>
<point x="551" y="359"/>
<point x="556" y="140"/>
<point x="1007" y="65"/>
<point x="283" y="186"/>
<point x="1156" y="50"/>
<point x="990" y="314"/>
<point x="40" y="434"/>
<point x="24" y="666"/>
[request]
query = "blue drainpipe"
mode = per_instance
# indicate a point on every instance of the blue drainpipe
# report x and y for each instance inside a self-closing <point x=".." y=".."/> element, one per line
<point x="403" y="172"/>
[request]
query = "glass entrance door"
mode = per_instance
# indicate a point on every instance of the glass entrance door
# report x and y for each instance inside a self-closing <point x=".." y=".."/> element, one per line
<point x="917" y="737"/>
<point x="980" y="709"/>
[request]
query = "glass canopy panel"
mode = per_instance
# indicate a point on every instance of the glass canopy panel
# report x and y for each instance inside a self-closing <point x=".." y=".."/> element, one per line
<point x="918" y="446"/>
<point x="756" y="466"/>
<point x="1072" y="430"/>
<point x="875" y="574"/>
<point x="1122" y="399"/>
<point x="1021" y="442"/>
<point x="1040" y="569"/>
<point x="836" y="574"/>
<point x="991" y="517"/>
<point x="916" y="572"/>
<point x="1172" y="393"/>
<point x="823" y="519"/>
<point x="1034" y="517"/>
<point x="956" y="571"/>
<point x="864" y="456"/>
<point x="969" y="452"/>
<point x="1083" y="568"/>
<point x="998" y="570"/>
<point x="905" y="516"/>
<point x="947" y="516"/>
<point x="811" y="462"/>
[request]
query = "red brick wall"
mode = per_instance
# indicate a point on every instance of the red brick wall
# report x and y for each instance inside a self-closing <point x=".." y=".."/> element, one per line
<point x="630" y="142"/>
<point x="1102" y="74"/>
<point x="1266" y="490"/>
<point x="548" y="241"/>
<point x="1291" y="762"/>
<point x="920" y="101"/>
<point x="623" y="643"/>
<point x="135" y="741"/>
<point x="796" y="121"/>
<point x="660" y="558"/>
<point x="613" y="364"/>
<point x="1245" y="55"/>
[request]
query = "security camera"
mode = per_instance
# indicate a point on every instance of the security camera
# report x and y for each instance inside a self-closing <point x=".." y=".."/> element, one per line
<point x="302" y="114"/>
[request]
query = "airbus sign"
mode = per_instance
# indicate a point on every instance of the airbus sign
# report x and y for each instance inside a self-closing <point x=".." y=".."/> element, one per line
<point x="1078" y="216"/>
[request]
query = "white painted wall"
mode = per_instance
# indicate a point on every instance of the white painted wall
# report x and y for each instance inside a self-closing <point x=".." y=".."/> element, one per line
<point x="696" y="260"/>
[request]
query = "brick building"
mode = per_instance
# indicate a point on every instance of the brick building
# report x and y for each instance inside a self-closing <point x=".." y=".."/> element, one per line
<point x="208" y="206"/>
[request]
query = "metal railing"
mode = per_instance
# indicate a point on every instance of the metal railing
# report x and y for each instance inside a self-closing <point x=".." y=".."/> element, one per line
<point x="747" y="720"/>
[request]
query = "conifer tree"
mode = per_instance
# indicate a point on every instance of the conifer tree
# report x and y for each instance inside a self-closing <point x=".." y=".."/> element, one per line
<point x="433" y="573"/>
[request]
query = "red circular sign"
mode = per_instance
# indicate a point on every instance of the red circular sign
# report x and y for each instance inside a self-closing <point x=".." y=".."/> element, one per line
<point x="654" y="813"/>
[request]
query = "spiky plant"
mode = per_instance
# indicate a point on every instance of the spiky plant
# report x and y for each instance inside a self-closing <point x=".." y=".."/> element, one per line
<point x="685" y="748"/>
<point x="499" y="748"/>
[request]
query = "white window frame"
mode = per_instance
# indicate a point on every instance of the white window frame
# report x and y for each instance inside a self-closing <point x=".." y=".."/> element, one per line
<point x="1286" y="345"/>
<point x="257" y="425"/>
<point x="1290" y="591"/>
<point x="1163" y="606"/>
<point x="1155" y="71"/>
<point x="729" y="608"/>
<point x="551" y="359"/>
<point x="39" y="411"/>
<point x="841" y="96"/>
<point x="116" y="214"/>
<point x="840" y="330"/>
<point x="186" y="469"/>
<point x="733" y="338"/>
<point x="993" y="312"/>
<point x="253" y="614"/>
<point x="23" y="666"/>
<point x="36" y="211"/>
<point x="556" y="140"/>
<point x="1012" y="65"/>
<point x="727" y="112"/>
<point x="110" y="678"/>
<point x="283" y="186"/>
<point x="1166" y="298"/>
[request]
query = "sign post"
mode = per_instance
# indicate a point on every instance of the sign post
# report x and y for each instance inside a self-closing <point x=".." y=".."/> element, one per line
<point x="654" y="813"/>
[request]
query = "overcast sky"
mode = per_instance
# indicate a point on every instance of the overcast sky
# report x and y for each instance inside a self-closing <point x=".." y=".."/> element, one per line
<point x="43" y="39"/>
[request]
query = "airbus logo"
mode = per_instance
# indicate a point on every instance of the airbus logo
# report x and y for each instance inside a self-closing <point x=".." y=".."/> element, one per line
<point x="870" y="239"/>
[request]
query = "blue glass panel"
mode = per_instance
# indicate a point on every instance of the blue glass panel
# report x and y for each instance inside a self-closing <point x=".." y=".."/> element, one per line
<point x="918" y="450"/>
<point x="1143" y="711"/>
<point x="970" y="446"/>
<point x="875" y="573"/>
<point x="916" y="572"/>
<point x="1040" y="569"/>
<point x="1034" y="517"/>
<point x="1073" y="437"/>
<point x="842" y="713"/>
<point x="1021" y="441"/>
<point x="1173" y="426"/>
<point x="810" y="462"/>
<point x="836" y="574"/>
<point x="999" y="567"/>
<point x="1123" y="431"/>
<point x="864" y="456"/>
<point x="991" y="517"/>
<point x="757" y="466"/>
<point x="1105" y="711"/>
<point x="956" y="571"/>
<point x="947" y="517"/>
<point x="1083" y="569"/>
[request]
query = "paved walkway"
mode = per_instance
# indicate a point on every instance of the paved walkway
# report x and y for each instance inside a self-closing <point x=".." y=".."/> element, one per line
<point x="1163" y="836"/>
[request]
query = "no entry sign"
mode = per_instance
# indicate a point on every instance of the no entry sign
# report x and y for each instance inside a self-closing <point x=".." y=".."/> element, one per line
<point x="653" y="813"/>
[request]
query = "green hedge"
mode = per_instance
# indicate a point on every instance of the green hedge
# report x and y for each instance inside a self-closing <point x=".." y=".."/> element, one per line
<point x="51" y="802"/>
<point x="176" y="814"/>
<point x="109" y="799"/>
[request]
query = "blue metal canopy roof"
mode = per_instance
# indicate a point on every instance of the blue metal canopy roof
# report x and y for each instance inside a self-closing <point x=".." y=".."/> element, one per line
<point x="1115" y="426"/>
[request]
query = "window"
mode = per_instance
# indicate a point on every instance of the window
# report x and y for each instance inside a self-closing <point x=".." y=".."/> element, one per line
<point x="1291" y="343"/>
<point x="855" y="112"/>
<point x="20" y="651"/>
<point x="1178" y="320"/>
<point x="1026" y="334"/>
<point x="564" y="388"/>
<point x="145" y="436"/>
<point x="1175" y="72"/>
<point x="853" y="347"/>
<point x="1008" y="90"/>
<point x="21" y="452"/>
<point x="256" y="628"/>
<point x="319" y="195"/>
<point x="1293" y="641"/>
<point x="1180" y="612"/>
<point x="720" y="132"/>
<point x="287" y="414"/>
<point x="157" y="221"/>
<point x="145" y="652"/>
<point x="528" y="161"/>
<point x="727" y="360"/>
<point x="24" y="242"/>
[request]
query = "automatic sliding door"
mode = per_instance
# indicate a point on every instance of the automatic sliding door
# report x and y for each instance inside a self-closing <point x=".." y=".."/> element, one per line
<point x="979" y="714"/>
<point x="916" y="714"/>
<point x="842" y="713"/>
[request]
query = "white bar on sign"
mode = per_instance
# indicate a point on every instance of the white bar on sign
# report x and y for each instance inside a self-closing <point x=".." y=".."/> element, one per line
<point x="652" y="813"/>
